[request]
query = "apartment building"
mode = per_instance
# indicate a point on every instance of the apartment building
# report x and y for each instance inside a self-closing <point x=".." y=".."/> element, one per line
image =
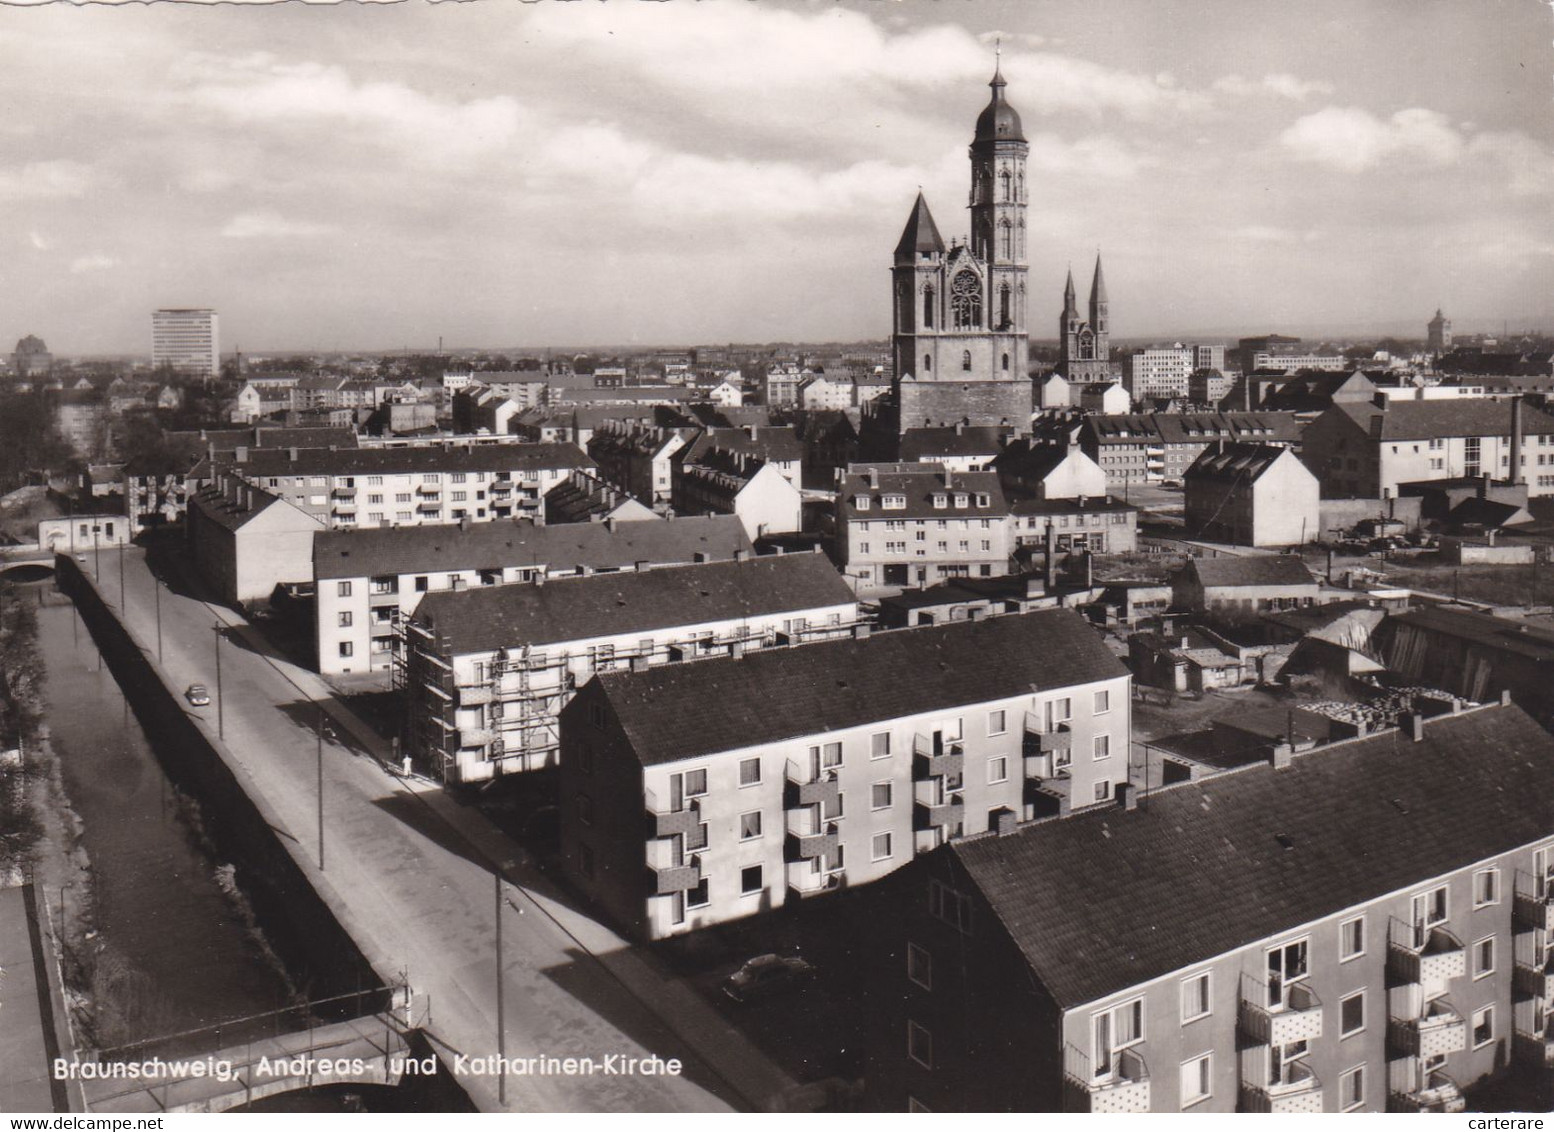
<point x="778" y="445"/>
<point x="489" y="670"/>
<point x="726" y="482"/>
<point x="789" y="773"/>
<point x="367" y="581"/>
<point x="187" y="340"/>
<point x="411" y="485"/>
<point x="1365" y="450"/>
<point x="1143" y="448"/>
<point x="1364" y="927"/>
<point x="959" y="447"/>
<point x="638" y="459"/>
<point x="917" y="524"/>
<point x="1251" y="495"/>
<point x="245" y="540"/>
<point x="1159" y="372"/>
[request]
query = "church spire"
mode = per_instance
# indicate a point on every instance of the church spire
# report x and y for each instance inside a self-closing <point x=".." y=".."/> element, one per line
<point x="1070" y="302"/>
<point x="1098" y="284"/>
<point x="921" y="234"/>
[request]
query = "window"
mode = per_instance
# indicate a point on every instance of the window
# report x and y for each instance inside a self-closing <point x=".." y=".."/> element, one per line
<point x="750" y="880"/>
<point x="1351" y="939"/>
<point x="997" y="722"/>
<point x="750" y="825"/>
<point x="920" y="966"/>
<point x="998" y="769"/>
<point x="1286" y="965"/>
<point x="1351" y="1089"/>
<point x="830" y="755"/>
<point x="1058" y="711"/>
<point x="698" y="897"/>
<point x="966" y="300"/>
<point x="1486" y="887"/>
<point x="420" y="584"/>
<point x="944" y="903"/>
<point x="1351" y="1014"/>
<point x="1101" y="747"/>
<point x="1196" y="998"/>
<point x="345" y="619"/>
<point x="1430" y="908"/>
<point x="695" y="783"/>
<point x="750" y="772"/>
<point x="879" y="847"/>
<point x="1483" y="1027"/>
<point x="1484" y="957"/>
<point x="879" y="745"/>
<point x="880" y="796"/>
<point x="1115" y="1030"/>
<point x="861" y="502"/>
<point x="1196" y="1079"/>
<point x="893" y="502"/>
<point x="343" y="589"/>
<point x="585" y="809"/>
<point x="1103" y="702"/>
<point x="696" y="836"/>
<point x="347" y="648"/>
<point x="919" y="1045"/>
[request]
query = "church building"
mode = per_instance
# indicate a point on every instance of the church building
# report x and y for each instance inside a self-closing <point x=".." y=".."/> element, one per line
<point x="1085" y="354"/>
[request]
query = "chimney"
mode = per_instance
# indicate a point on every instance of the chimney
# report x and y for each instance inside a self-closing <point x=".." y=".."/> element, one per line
<point x="750" y="431"/>
<point x="1281" y="755"/>
<point x="976" y="613"/>
<point x="1416" y="726"/>
<point x="1005" y="821"/>
<point x="1052" y="557"/>
<point x="609" y="523"/>
<point x="1127" y="796"/>
<point x="1089" y="570"/>
<point x="241" y="455"/>
<point x="949" y="479"/>
<point x="640" y="565"/>
<point x="874" y="479"/>
<point x="960" y="428"/>
<point x="1483" y="486"/>
<point x="1505" y="697"/>
<point x="293" y="455"/>
<point x="699" y="556"/>
<point x="739" y="556"/>
<point x="639" y="664"/>
<point x="736" y="649"/>
<point x="464" y="523"/>
<point x="1516" y="440"/>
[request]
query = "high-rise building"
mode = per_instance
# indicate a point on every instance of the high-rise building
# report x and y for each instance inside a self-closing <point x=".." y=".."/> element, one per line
<point x="186" y="339"/>
<point x="1440" y="333"/>
<point x="960" y="344"/>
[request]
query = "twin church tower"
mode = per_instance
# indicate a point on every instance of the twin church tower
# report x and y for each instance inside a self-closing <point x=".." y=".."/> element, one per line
<point x="958" y="318"/>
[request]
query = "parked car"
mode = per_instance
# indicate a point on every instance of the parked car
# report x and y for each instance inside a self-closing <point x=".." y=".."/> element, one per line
<point x="197" y="694"/>
<point x="767" y="974"/>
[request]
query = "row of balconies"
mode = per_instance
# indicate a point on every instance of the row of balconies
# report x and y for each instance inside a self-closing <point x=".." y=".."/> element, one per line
<point x="1439" y="1093"/>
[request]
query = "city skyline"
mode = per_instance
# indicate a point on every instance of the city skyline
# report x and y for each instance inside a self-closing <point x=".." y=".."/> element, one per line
<point x="373" y="177"/>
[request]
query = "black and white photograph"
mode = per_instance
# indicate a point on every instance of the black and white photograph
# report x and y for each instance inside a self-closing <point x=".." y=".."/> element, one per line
<point x="776" y="556"/>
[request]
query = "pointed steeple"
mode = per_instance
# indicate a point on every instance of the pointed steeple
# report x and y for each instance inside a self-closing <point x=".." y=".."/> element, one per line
<point x="1070" y="303"/>
<point x="1098" y="284"/>
<point x="921" y="234"/>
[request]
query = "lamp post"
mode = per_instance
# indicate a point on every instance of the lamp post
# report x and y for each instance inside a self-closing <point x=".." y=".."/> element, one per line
<point x="156" y="586"/>
<point x="501" y="1027"/>
<point x="221" y="720"/>
<point x="319" y="733"/>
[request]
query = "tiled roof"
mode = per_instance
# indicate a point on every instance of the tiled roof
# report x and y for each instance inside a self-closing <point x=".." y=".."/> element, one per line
<point x="681" y="711"/>
<point x="1235" y="463"/>
<point x="974" y="440"/>
<point x="1424" y="420"/>
<point x="1252" y="570"/>
<point x="373" y="551"/>
<point x="1485" y="629"/>
<point x="919" y="483"/>
<point x="776" y="444"/>
<point x="1192" y="428"/>
<point x="1105" y="900"/>
<point x="638" y="602"/>
<point x="420" y="458"/>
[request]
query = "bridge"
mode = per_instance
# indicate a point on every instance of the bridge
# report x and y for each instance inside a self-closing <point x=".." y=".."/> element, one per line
<point x="26" y="562"/>
<point x="371" y="1049"/>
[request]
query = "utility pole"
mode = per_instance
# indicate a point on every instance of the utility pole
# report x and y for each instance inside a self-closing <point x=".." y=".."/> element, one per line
<point x="156" y="585"/>
<point x="501" y="1022"/>
<point x="221" y="719"/>
<point x="319" y="732"/>
<point x="123" y="609"/>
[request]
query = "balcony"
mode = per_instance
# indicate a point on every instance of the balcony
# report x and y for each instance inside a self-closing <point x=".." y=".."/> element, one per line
<point x="1041" y="740"/>
<point x="1430" y="956"/>
<point x="1050" y="796"/>
<point x="799" y="791"/>
<point x="1125" y="1088"/>
<point x="808" y="846"/>
<point x="1440" y="1030"/>
<point x="1528" y="907"/>
<point x="343" y="507"/>
<point x="935" y="758"/>
<point x="428" y="489"/>
<point x="1439" y="1094"/>
<point x="676" y="878"/>
<point x="340" y="491"/>
<point x="428" y="505"/>
<point x="1535" y="1049"/>
<point x="1298" y="1019"/>
<point x="933" y="815"/>
<point x="803" y="885"/>
<point x="676" y="823"/>
<point x="475" y="736"/>
<point x="1297" y="1090"/>
<point x="473" y="695"/>
<point x="1534" y="977"/>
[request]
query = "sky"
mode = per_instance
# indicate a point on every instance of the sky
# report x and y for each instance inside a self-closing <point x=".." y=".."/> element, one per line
<point x="365" y="176"/>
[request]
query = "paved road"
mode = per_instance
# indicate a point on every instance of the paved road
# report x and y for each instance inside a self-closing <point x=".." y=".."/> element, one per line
<point x="418" y="896"/>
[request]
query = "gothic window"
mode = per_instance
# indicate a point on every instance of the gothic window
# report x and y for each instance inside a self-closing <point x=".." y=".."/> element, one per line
<point x="1020" y="184"/>
<point x="1004" y="178"/>
<point x="965" y="360"/>
<point x="928" y="307"/>
<point x="1006" y="239"/>
<point x="1086" y="346"/>
<point x="1021" y="248"/>
<point x="927" y="363"/>
<point x="904" y="307"/>
<point x="1003" y="307"/>
<point x="1006" y="363"/>
<point x="966" y="301"/>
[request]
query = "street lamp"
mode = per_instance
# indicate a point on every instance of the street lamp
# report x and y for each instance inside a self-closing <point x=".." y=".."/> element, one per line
<point x="321" y="732"/>
<point x="156" y="586"/>
<point x="221" y="720"/>
<point x="501" y="1023"/>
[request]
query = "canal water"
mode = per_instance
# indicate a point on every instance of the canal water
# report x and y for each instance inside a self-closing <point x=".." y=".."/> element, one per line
<point x="175" y="948"/>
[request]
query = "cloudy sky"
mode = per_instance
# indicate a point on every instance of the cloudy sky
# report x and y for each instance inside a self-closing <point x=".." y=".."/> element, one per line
<point x="374" y="176"/>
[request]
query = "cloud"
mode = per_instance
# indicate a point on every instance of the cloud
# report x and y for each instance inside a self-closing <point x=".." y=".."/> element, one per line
<point x="43" y="180"/>
<point x="1062" y="82"/>
<point x="83" y="265"/>
<point x="1528" y="164"/>
<point x="1354" y="140"/>
<point x="1280" y="84"/>
<point x="266" y="225"/>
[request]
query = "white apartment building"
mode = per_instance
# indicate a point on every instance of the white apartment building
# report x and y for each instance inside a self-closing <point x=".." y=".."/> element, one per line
<point x="186" y="339"/>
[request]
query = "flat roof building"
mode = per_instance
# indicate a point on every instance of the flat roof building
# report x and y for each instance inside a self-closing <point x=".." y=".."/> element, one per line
<point x="186" y="339"/>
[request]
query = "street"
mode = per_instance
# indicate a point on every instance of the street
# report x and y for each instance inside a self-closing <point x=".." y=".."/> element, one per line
<point x="418" y="896"/>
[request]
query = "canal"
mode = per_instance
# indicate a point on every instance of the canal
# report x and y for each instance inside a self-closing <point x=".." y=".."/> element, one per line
<point x="173" y="946"/>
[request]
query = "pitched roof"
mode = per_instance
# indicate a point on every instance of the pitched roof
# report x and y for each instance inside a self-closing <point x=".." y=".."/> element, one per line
<point x="681" y="711"/>
<point x="773" y="443"/>
<point x="921" y="234"/>
<point x="418" y="458"/>
<point x="1097" y="902"/>
<point x="1252" y="570"/>
<point x="1243" y="463"/>
<point x="1485" y="629"/>
<point x="919" y="484"/>
<point x="375" y="551"/>
<point x="601" y="605"/>
<point x="960" y="440"/>
<point x="1423" y="420"/>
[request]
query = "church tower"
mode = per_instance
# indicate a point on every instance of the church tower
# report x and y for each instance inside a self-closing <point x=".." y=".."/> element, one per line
<point x="1439" y="331"/>
<point x="1086" y="348"/>
<point x="961" y="349"/>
